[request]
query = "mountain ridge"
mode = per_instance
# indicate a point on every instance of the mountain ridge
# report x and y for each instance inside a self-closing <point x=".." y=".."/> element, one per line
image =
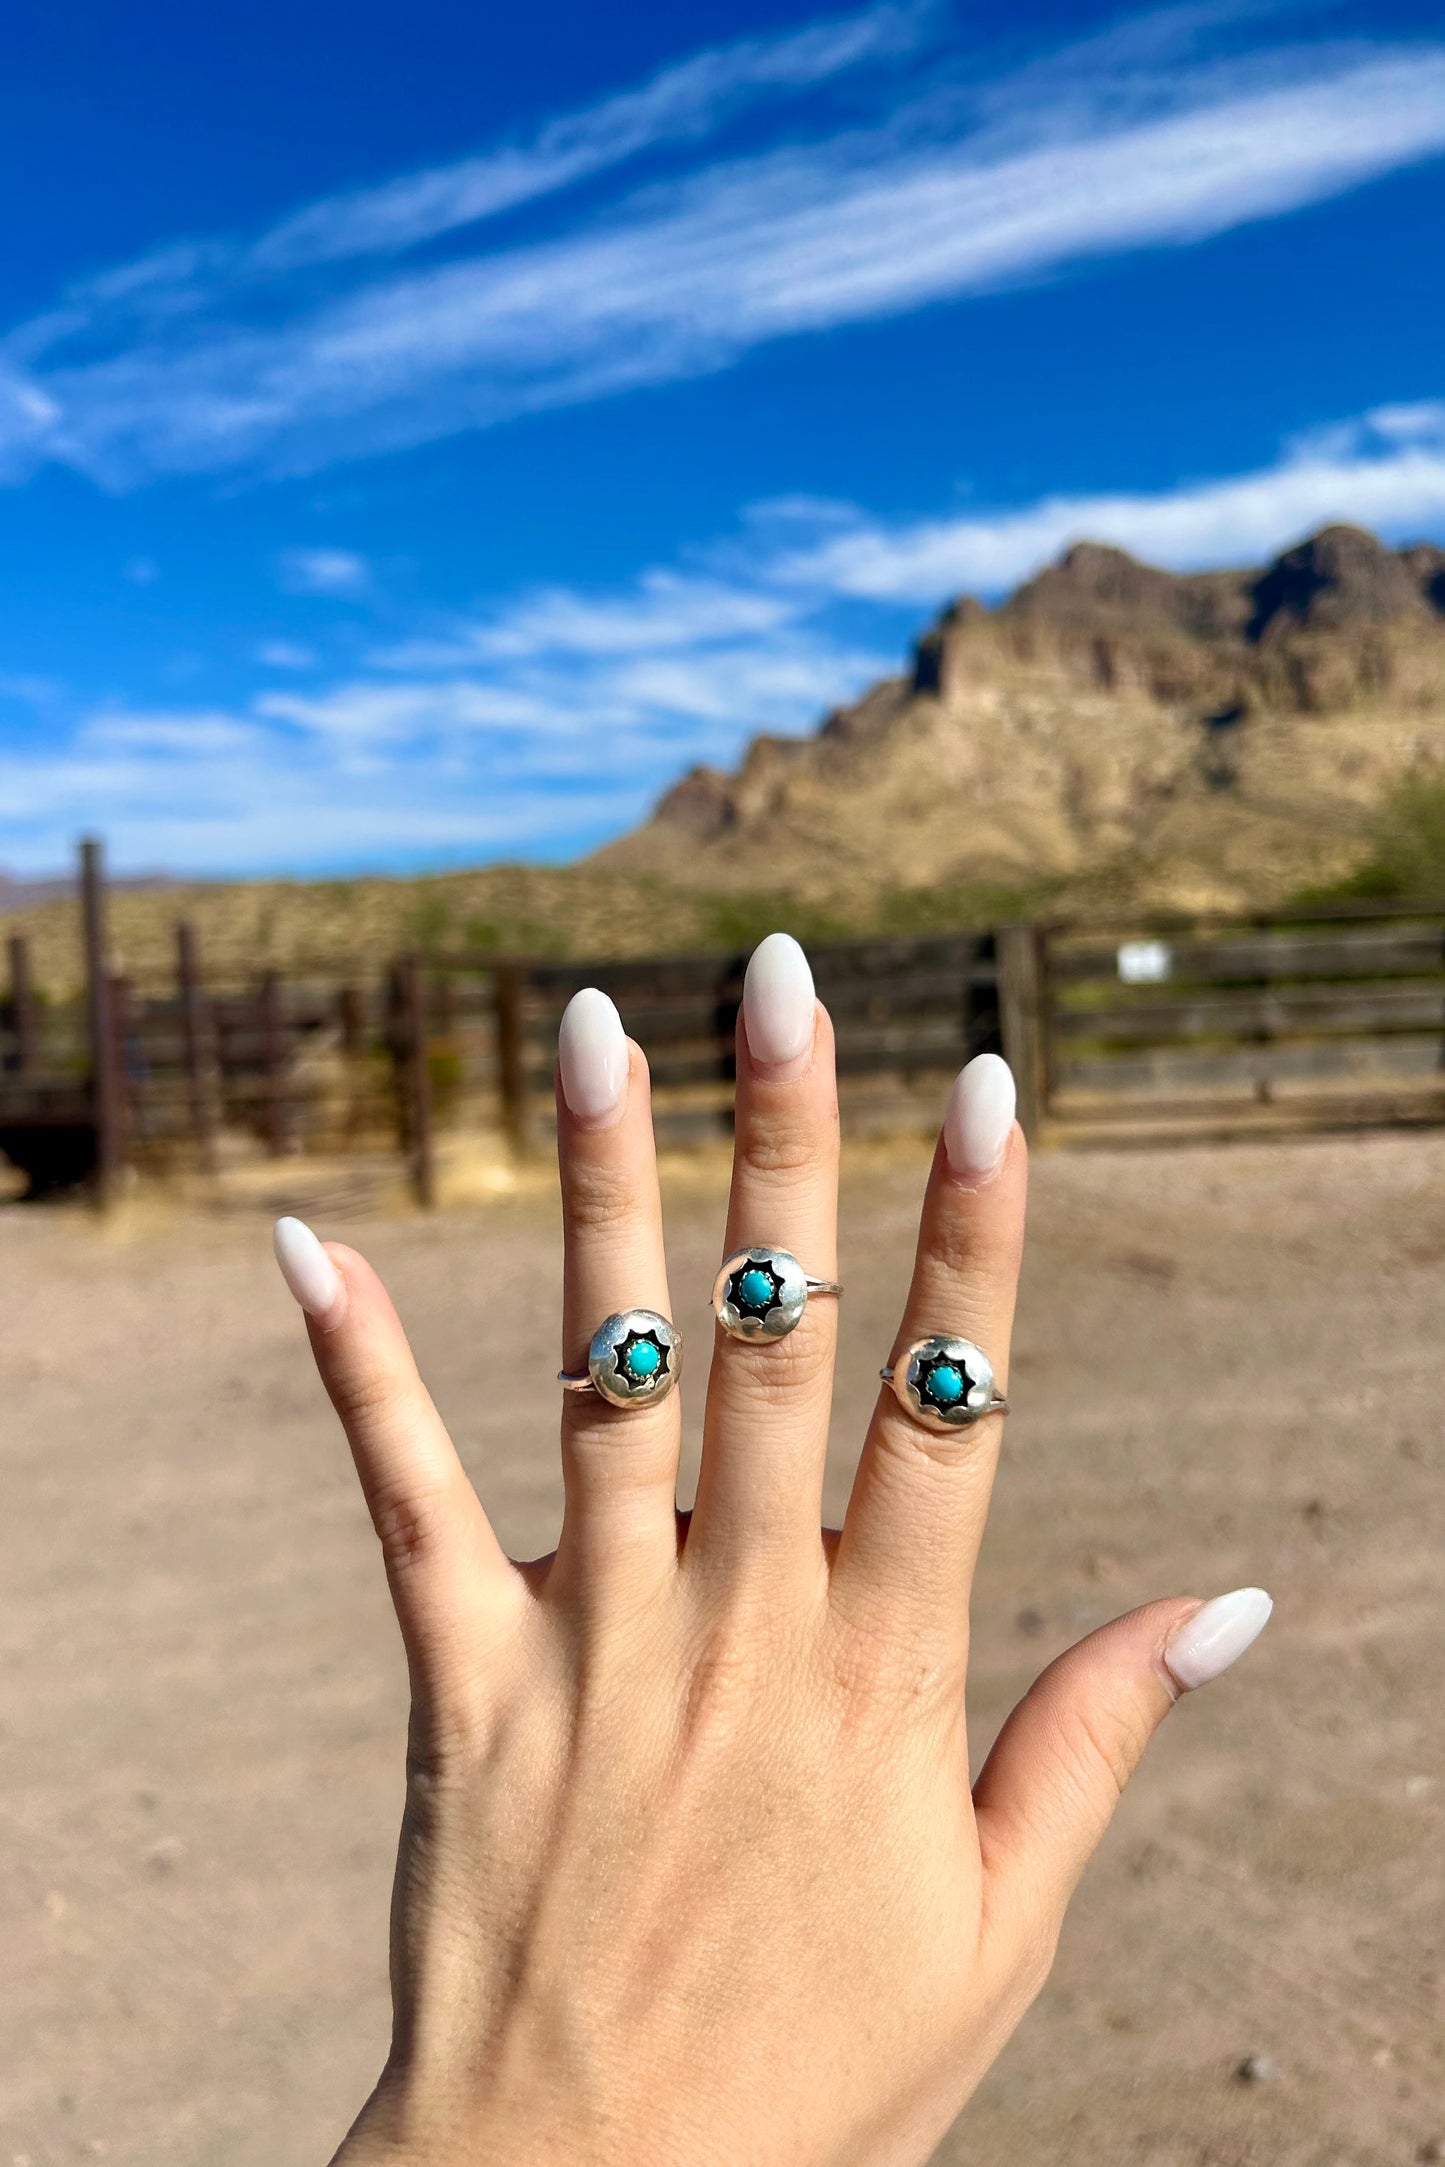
<point x="1125" y="733"/>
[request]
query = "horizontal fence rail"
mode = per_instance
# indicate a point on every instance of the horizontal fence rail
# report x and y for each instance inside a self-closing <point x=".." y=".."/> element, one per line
<point x="1266" y="1025"/>
<point x="902" y="1012"/>
<point x="1165" y="1027"/>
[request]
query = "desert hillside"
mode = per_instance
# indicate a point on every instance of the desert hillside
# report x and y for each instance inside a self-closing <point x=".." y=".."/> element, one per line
<point x="1110" y="733"/>
<point x="1109" y="736"/>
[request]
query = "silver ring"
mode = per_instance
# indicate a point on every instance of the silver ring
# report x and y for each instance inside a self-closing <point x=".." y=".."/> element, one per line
<point x="635" y="1358"/>
<point x="761" y="1293"/>
<point x="945" y="1383"/>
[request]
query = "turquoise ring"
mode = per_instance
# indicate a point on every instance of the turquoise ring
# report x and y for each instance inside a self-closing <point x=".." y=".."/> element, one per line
<point x="945" y="1383"/>
<point x="761" y="1293"/>
<point x="635" y="1358"/>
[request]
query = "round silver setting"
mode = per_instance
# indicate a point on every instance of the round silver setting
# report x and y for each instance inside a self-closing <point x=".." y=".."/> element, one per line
<point x="634" y="1360"/>
<point x="945" y="1383"/>
<point x="761" y="1293"/>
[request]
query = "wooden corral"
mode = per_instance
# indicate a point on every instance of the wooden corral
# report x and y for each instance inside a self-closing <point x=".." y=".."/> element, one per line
<point x="1317" y="1020"/>
<point x="1318" y="1017"/>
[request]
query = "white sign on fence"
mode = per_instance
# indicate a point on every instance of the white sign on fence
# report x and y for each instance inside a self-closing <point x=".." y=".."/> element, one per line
<point x="1144" y="963"/>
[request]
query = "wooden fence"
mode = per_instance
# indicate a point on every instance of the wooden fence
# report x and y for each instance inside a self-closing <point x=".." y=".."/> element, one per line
<point x="904" y="1013"/>
<point x="1322" y="1018"/>
<point x="1168" y="1028"/>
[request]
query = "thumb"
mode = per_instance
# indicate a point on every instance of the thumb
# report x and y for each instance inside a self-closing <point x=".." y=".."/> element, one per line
<point x="1048" y="1790"/>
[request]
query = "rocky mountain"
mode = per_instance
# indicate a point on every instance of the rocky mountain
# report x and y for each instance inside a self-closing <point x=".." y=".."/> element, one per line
<point x="1111" y="732"/>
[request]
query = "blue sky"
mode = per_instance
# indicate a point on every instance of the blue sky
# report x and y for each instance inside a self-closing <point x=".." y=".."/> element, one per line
<point x="424" y="434"/>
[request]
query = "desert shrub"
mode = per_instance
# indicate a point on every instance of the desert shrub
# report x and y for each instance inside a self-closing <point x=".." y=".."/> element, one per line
<point x="740" y="921"/>
<point x="904" y="913"/>
<point x="1407" y="835"/>
<point x="429" y="921"/>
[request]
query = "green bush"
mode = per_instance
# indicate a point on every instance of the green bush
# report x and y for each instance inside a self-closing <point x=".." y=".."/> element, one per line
<point x="1407" y="857"/>
<point x="728" y="921"/>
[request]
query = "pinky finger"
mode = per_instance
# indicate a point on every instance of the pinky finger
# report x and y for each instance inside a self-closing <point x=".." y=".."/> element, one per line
<point x="1048" y="1790"/>
<point x="452" y="1586"/>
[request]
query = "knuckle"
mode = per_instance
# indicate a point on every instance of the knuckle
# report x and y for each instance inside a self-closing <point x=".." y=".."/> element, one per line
<point x="371" y="1397"/>
<point x="778" y="1147"/>
<point x="783" y="1143"/>
<point x="767" y="1370"/>
<point x="590" y="1425"/>
<point x="412" y="1524"/>
<point x="964" y="1460"/>
<point x="601" y="1202"/>
<point x="971" y="1272"/>
<point x="1110" y="1735"/>
<point x="721" y="1693"/>
<point x="453" y="1727"/>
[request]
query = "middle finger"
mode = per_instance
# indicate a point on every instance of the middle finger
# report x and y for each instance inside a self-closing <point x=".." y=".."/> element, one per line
<point x="765" y="1434"/>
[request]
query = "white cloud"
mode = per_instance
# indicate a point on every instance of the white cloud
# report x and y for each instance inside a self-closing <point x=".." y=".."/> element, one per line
<point x="366" y="713"/>
<point x="204" y="734"/>
<point x="684" y="101"/>
<point x="285" y="655"/>
<point x="29" y="690"/>
<point x="958" y="193"/>
<point x="1385" y="471"/>
<point x="665" y="609"/>
<point x="324" y="571"/>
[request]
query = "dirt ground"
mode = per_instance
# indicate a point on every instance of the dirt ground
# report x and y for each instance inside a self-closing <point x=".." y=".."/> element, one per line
<point x="1228" y="1369"/>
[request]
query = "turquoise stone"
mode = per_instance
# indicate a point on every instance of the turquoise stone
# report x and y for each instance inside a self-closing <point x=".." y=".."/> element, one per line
<point x="642" y="1358"/>
<point x="756" y="1288"/>
<point x="945" y="1384"/>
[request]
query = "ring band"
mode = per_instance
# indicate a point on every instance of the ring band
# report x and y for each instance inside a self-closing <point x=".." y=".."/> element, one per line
<point x="635" y="1358"/>
<point x="945" y="1383"/>
<point x="761" y="1293"/>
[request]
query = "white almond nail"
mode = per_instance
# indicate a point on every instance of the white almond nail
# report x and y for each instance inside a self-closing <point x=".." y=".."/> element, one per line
<point x="778" y="1001"/>
<point x="306" y="1268"/>
<point x="592" y="1056"/>
<point x="1217" y="1635"/>
<point x="980" y="1117"/>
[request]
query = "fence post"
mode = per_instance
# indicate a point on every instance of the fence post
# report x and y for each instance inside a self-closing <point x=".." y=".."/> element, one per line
<point x="273" y="1063"/>
<point x="510" y="989"/>
<point x="1023" y="1018"/>
<point x="125" y="1084"/>
<point x="104" y="1086"/>
<point x="193" y="1039"/>
<point x="23" y="1021"/>
<point x="418" y="1073"/>
<point x="352" y="1014"/>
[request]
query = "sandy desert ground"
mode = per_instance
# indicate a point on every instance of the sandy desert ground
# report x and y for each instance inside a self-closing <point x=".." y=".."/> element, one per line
<point x="1228" y="1369"/>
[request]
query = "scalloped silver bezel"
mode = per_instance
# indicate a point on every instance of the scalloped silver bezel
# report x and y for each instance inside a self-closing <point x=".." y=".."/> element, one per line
<point x="977" y="1365"/>
<point x="785" y="1313"/>
<point x="613" y="1383"/>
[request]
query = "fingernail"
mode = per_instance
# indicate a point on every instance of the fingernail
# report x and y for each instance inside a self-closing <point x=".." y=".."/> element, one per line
<point x="308" y="1271"/>
<point x="979" y="1118"/>
<point x="1216" y="1636"/>
<point x="592" y="1056"/>
<point x="778" y="1001"/>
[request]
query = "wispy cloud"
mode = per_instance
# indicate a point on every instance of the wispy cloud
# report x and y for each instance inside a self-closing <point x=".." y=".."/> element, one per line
<point x="285" y="655"/>
<point x="324" y="571"/>
<point x="959" y="191"/>
<point x="680" y="103"/>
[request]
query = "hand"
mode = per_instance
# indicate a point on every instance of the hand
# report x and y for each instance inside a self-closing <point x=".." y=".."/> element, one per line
<point x="690" y="1868"/>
